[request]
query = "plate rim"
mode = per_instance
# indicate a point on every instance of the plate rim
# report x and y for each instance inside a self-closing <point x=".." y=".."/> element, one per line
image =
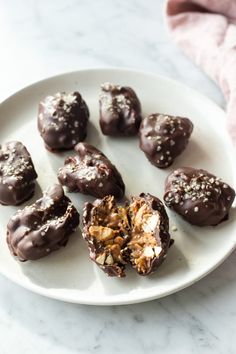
<point x="113" y="301"/>
<point x="119" y="299"/>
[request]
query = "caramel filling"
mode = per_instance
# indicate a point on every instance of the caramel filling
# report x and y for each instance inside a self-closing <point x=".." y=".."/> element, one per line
<point x="110" y="227"/>
<point x="121" y="231"/>
<point x="144" y="245"/>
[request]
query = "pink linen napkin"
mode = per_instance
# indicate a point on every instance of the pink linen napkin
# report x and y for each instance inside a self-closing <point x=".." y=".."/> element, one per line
<point x="206" y="31"/>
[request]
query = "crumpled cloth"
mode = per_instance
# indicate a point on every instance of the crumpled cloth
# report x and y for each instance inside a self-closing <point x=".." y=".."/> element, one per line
<point x="206" y="31"/>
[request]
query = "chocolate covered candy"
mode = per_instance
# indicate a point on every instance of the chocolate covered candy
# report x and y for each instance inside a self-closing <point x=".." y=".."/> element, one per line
<point x="106" y="230"/>
<point x="198" y="196"/>
<point x="135" y="234"/>
<point x="164" y="137"/>
<point x="62" y="120"/>
<point x="91" y="172"/>
<point x="149" y="237"/>
<point x="42" y="227"/>
<point x="120" y="110"/>
<point x="17" y="174"/>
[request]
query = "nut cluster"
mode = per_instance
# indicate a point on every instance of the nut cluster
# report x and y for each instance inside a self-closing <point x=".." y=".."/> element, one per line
<point x="135" y="234"/>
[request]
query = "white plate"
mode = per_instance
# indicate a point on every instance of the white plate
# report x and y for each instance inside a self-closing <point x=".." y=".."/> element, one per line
<point x="68" y="274"/>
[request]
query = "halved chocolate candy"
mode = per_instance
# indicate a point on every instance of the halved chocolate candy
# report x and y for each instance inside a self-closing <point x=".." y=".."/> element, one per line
<point x="43" y="227"/>
<point x="149" y="238"/>
<point x="62" y="120"/>
<point x="136" y="234"/>
<point x="120" y="110"/>
<point x="106" y="230"/>
<point x="91" y="172"/>
<point x="17" y="174"/>
<point x="198" y="196"/>
<point x="163" y="138"/>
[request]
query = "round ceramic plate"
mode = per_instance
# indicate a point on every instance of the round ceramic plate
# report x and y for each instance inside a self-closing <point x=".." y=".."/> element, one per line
<point x="68" y="274"/>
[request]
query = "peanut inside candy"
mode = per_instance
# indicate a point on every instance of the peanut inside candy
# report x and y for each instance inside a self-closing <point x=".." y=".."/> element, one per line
<point x="145" y="243"/>
<point x="118" y="235"/>
<point x="109" y="232"/>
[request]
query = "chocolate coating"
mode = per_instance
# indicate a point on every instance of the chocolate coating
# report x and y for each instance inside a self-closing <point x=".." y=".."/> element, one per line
<point x="91" y="172"/>
<point x="17" y="174"/>
<point x="43" y="227"/>
<point x="135" y="234"/>
<point x="162" y="138"/>
<point x="120" y="110"/>
<point x="62" y="120"/>
<point x="198" y="196"/>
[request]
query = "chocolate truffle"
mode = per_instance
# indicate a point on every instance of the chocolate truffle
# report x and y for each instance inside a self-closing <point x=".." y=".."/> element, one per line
<point x="17" y="174"/>
<point x="135" y="234"/>
<point x="120" y="110"/>
<point x="62" y="120"/>
<point x="91" y="172"/>
<point x="198" y="196"/>
<point x="164" y="137"/>
<point x="42" y="227"/>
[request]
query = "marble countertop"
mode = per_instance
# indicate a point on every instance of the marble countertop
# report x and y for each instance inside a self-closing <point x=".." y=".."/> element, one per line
<point x="43" y="38"/>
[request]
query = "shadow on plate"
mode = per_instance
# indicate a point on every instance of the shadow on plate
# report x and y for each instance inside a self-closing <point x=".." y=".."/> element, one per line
<point x="37" y="194"/>
<point x="68" y="268"/>
<point x="197" y="234"/>
<point x="175" y="263"/>
<point x="56" y="159"/>
<point x="194" y="155"/>
<point x="94" y="136"/>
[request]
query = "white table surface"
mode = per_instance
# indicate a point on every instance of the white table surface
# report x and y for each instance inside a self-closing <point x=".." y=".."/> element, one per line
<point x="43" y="38"/>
